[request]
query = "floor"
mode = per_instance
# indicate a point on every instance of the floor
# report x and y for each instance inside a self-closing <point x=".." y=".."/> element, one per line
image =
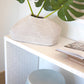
<point x="2" y="77"/>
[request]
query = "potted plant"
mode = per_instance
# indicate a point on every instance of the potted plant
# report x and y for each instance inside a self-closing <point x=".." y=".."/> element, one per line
<point x="39" y="30"/>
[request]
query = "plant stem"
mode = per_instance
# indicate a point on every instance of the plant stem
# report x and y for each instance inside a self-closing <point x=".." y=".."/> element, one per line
<point x="50" y="14"/>
<point x="41" y="9"/>
<point x="53" y="12"/>
<point x="30" y="7"/>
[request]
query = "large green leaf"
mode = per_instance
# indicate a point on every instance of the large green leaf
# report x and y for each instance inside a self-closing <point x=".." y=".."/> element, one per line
<point x="39" y="3"/>
<point x="47" y="6"/>
<point x="76" y="13"/>
<point x="79" y="6"/>
<point x="21" y="1"/>
<point x="80" y="0"/>
<point x="55" y="4"/>
<point x="70" y="8"/>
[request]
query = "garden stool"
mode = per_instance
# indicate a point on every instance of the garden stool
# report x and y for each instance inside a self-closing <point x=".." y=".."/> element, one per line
<point x="45" y="76"/>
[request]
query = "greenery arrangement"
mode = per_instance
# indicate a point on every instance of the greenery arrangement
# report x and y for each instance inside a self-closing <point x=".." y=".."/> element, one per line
<point x="64" y="8"/>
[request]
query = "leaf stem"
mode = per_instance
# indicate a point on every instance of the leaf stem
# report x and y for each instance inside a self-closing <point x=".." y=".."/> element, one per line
<point x="50" y="14"/>
<point x="41" y="9"/>
<point x="30" y="7"/>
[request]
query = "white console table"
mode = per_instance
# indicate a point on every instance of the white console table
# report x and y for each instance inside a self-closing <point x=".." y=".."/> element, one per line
<point x="20" y="59"/>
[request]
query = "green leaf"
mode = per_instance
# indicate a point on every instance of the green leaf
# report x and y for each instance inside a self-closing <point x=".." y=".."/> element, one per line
<point x="64" y="15"/>
<point x="48" y="6"/>
<point x="69" y="18"/>
<point x="61" y="14"/>
<point x="55" y="4"/>
<point x="79" y="6"/>
<point x="80" y="0"/>
<point x="61" y="1"/>
<point x="39" y="3"/>
<point x="21" y="1"/>
<point x="77" y="14"/>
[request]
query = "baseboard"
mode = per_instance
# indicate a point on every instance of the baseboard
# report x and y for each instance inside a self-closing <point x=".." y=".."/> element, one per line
<point x="3" y="72"/>
<point x="2" y="77"/>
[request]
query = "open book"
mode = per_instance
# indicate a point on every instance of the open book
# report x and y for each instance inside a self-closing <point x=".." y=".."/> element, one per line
<point x="75" y="51"/>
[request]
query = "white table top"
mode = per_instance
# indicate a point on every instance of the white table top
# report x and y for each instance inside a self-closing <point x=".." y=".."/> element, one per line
<point x="49" y="53"/>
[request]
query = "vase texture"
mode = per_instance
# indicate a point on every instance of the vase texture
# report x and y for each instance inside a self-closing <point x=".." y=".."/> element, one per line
<point x="36" y="30"/>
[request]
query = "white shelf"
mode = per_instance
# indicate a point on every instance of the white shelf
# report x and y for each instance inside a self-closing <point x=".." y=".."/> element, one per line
<point x="49" y="53"/>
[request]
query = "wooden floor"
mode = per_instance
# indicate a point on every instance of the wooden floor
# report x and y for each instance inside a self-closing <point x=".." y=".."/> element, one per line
<point x="2" y="77"/>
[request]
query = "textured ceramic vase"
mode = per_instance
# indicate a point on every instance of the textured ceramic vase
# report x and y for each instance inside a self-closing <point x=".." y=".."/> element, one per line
<point x="36" y="30"/>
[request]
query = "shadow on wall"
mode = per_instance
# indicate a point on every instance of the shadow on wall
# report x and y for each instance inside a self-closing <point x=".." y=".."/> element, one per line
<point x="69" y="77"/>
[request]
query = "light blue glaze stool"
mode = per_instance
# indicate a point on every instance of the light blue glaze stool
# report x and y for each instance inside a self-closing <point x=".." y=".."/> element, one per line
<point x="45" y="76"/>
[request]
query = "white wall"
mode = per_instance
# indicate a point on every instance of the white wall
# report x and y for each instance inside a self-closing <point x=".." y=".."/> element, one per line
<point x="8" y="16"/>
<point x="74" y="30"/>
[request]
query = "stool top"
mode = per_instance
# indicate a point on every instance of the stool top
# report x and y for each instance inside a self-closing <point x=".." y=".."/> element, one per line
<point x="46" y="76"/>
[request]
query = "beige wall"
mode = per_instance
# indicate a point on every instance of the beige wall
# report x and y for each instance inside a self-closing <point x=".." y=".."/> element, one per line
<point x="8" y="16"/>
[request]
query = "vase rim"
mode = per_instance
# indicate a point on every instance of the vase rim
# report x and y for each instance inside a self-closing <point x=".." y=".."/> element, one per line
<point x="37" y="17"/>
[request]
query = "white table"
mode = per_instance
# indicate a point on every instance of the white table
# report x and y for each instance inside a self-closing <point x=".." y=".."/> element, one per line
<point x="20" y="59"/>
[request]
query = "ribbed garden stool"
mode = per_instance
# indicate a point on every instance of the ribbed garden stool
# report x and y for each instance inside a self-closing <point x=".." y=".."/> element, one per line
<point x="45" y="76"/>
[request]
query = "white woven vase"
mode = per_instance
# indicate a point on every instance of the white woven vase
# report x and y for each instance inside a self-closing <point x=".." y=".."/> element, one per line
<point x="36" y="30"/>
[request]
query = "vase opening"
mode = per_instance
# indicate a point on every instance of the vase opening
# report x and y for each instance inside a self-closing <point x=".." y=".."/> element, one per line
<point x="37" y="17"/>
